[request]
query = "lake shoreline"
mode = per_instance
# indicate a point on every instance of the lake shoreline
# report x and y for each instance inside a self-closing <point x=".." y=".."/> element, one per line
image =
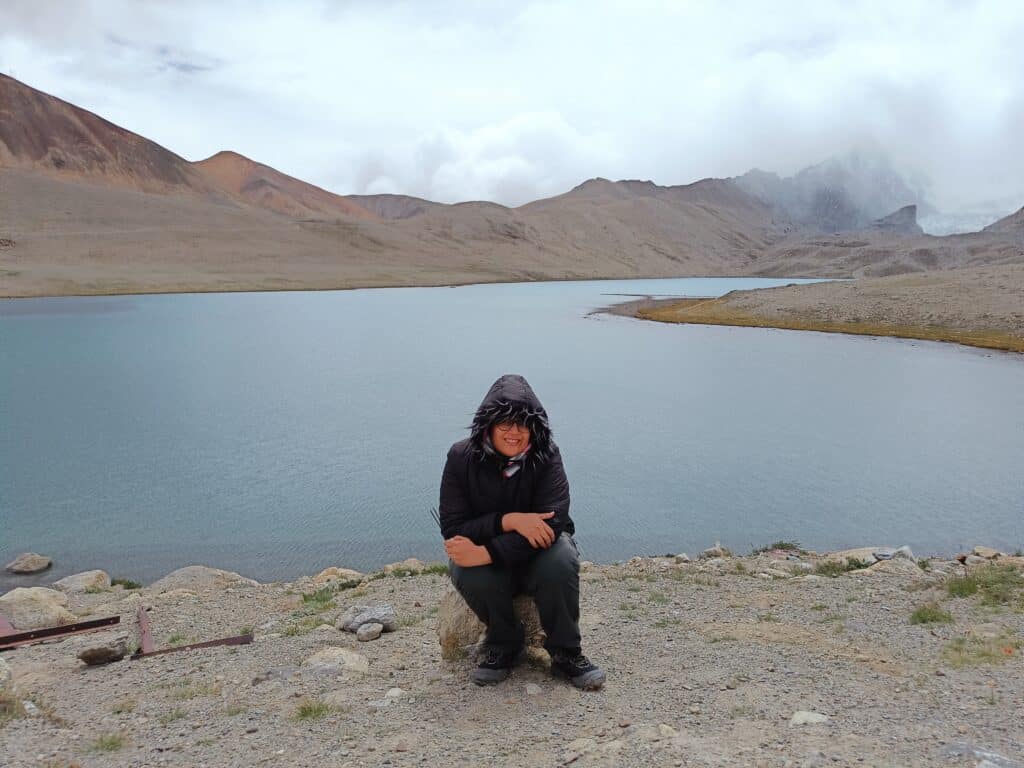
<point x="720" y="660"/>
<point x="978" y="309"/>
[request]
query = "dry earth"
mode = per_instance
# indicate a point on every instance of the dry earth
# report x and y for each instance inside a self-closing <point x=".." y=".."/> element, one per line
<point x="707" y="664"/>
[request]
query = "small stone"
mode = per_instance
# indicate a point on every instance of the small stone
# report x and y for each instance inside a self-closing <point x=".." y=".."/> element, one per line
<point x="532" y="689"/>
<point x="105" y="653"/>
<point x="394" y="693"/>
<point x="682" y="557"/>
<point x="693" y="709"/>
<point x="334" y="660"/>
<point x="803" y="717"/>
<point x="624" y="723"/>
<point x="667" y="731"/>
<point x="29" y="562"/>
<point x="369" y="631"/>
<point x="31" y="709"/>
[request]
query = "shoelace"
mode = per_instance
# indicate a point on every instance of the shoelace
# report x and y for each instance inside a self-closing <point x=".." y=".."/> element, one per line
<point x="581" y="661"/>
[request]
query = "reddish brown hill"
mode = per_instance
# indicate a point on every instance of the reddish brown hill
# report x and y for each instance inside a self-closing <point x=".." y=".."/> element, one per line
<point x="42" y="133"/>
<point x="265" y="187"/>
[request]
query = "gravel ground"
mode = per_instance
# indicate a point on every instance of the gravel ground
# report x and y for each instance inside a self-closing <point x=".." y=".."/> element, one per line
<point x="707" y="663"/>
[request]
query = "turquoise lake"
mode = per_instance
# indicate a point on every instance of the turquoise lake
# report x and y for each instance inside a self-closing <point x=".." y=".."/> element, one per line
<point x="278" y="433"/>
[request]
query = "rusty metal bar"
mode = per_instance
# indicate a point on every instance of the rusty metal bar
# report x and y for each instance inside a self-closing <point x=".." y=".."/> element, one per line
<point x="145" y="635"/>
<point x="236" y="640"/>
<point x="16" y="639"/>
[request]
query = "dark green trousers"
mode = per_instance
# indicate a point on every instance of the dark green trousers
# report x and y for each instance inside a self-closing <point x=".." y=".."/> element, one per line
<point x="551" y="576"/>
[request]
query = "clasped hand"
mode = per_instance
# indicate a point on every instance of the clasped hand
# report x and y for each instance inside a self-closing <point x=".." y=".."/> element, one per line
<point x="531" y="526"/>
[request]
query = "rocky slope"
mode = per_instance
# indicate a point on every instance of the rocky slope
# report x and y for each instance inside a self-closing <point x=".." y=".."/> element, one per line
<point x="777" y="659"/>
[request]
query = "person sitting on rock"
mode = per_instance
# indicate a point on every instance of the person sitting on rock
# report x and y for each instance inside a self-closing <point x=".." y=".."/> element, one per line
<point x="504" y="515"/>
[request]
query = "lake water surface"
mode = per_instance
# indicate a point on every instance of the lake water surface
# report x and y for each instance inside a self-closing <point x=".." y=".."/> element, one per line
<point x="279" y="433"/>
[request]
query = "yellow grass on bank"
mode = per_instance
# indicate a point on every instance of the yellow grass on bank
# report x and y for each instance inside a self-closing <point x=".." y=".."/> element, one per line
<point x="720" y="312"/>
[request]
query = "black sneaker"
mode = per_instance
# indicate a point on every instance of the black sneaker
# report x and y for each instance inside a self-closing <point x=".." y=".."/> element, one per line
<point x="494" y="667"/>
<point x="578" y="669"/>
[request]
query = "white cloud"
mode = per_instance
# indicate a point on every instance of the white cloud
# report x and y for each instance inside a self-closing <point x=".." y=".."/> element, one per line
<point x="514" y="101"/>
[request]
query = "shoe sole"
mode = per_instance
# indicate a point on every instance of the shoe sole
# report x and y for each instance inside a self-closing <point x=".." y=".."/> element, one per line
<point x="493" y="677"/>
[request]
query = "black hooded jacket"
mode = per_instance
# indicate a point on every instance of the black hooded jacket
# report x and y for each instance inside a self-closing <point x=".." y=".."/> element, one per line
<point x="475" y="493"/>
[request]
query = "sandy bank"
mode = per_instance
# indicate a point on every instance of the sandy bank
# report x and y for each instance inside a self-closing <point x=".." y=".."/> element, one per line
<point x="979" y="307"/>
<point x="708" y="663"/>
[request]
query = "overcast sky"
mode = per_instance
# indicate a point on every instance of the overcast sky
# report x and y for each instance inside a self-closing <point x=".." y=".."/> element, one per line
<point x="515" y="101"/>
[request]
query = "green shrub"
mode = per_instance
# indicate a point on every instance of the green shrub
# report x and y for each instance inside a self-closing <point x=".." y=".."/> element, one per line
<point x="997" y="584"/>
<point x="833" y="568"/>
<point x="930" y="613"/>
<point x="126" y="583"/>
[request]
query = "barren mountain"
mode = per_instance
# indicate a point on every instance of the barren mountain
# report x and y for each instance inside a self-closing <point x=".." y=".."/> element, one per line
<point x="44" y="134"/>
<point x="265" y="187"/>
<point x="89" y="207"/>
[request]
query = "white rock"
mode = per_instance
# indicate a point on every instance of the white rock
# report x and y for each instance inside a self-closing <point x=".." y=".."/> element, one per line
<point x="81" y="582"/>
<point x="29" y="562"/>
<point x="334" y="660"/>
<point x="369" y="631"/>
<point x="864" y="554"/>
<point x="36" y="608"/>
<point x="682" y="557"/>
<point x="394" y="693"/>
<point x="667" y="731"/>
<point x="532" y="689"/>
<point x="715" y="552"/>
<point x="888" y="553"/>
<point x="803" y="717"/>
<point x="197" y="577"/>
<point x="410" y="564"/>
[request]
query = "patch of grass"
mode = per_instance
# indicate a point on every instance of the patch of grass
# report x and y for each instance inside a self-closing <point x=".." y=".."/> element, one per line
<point x="174" y="715"/>
<point x="312" y="709"/>
<point x="739" y="568"/>
<point x="440" y="569"/>
<point x="667" y="621"/>
<point x="719" y="311"/>
<point x="126" y="583"/>
<point x="303" y="627"/>
<point x="177" y="638"/>
<point x="782" y="545"/>
<point x="321" y="600"/>
<point x="187" y="691"/>
<point x="767" y="618"/>
<point x="96" y="590"/>
<point x="10" y="708"/>
<point x="658" y="598"/>
<point x="930" y="613"/>
<point x="627" y="606"/>
<point x="831" y="617"/>
<point x="976" y="651"/>
<point x="721" y="638"/>
<point x="109" y="742"/>
<point x="833" y="568"/>
<point x="742" y="710"/>
<point x="997" y="584"/>
<point x="634" y="588"/>
<point x="924" y="563"/>
<point x="402" y="572"/>
<point x="123" y="707"/>
<point x="248" y="629"/>
<point x="233" y="710"/>
<point x="409" y="621"/>
<point x="819" y="607"/>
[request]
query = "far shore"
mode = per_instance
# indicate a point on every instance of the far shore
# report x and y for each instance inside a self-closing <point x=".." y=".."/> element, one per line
<point x="976" y="308"/>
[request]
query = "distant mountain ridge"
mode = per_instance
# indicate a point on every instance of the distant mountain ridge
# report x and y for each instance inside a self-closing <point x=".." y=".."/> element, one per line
<point x="91" y="207"/>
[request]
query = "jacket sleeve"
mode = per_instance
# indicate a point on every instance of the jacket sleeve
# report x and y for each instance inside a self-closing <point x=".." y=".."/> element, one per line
<point x="455" y="511"/>
<point x="551" y="495"/>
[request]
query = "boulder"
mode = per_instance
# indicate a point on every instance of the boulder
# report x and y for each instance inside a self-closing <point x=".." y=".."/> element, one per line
<point x="898" y="566"/>
<point x="716" y="551"/>
<point x="83" y="582"/>
<point x="196" y="577"/>
<point x="888" y="553"/>
<point x="803" y="717"/>
<point x="987" y="552"/>
<point x="334" y="660"/>
<point x="337" y="574"/>
<point x="36" y="608"/>
<point x="410" y="564"/>
<point x="370" y="631"/>
<point x="104" y="653"/>
<point x="864" y="554"/>
<point x="682" y="557"/>
<point x="29" y="562"/>
<point x="358" y="615"/>
<point x="458" y="627"/>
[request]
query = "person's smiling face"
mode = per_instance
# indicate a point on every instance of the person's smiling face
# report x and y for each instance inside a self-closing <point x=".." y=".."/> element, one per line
<point x="510" y="439"/>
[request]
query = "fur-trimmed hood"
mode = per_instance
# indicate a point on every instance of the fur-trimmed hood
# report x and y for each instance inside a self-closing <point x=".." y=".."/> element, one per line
<point x="511" y="398"/>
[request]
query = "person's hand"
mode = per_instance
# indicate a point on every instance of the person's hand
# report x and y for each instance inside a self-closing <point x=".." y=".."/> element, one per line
<point x="464" y="552"/>
<point x="531" y="526"/>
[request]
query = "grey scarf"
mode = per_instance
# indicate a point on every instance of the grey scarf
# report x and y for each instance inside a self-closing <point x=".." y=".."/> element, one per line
<point x="512" y="463"/>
